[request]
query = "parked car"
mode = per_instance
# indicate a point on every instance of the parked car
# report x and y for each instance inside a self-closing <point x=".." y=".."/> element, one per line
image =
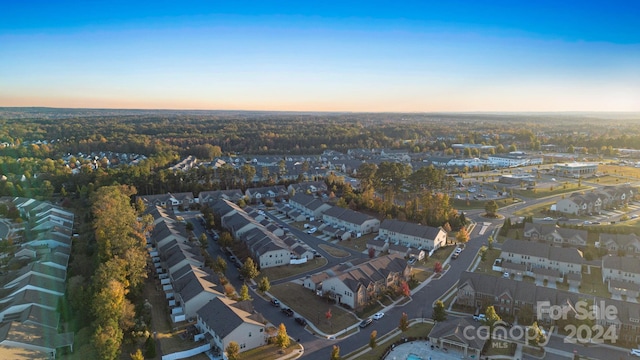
<point x="455" y="255"/>
<point x="411" y="261"/>
<point x="505" y="275"/>
<point x="479" y="317"/>
<point x="275" y="302"/>
<point x="366" y="322"/>
<point x="312" y="230"/>
<point x="378" y="316"/>
<point x="301" y="321"/>
<point x="634" y="216"/>
<point x="287" y="311"/>
<point x="635" y="352"/>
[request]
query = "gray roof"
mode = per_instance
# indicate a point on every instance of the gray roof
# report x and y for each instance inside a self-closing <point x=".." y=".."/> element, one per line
<point x="453" y="329"/>
<point x="622" y="263"/>
<point x="541" y="250"/>
<point x="223" y="318"/>
<point x="348" y="215"/>
<point x="407" y="228"/>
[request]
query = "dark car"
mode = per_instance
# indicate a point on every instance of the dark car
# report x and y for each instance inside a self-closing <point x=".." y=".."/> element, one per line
<point x="275" y="302"/>
<point x="366" y="322"/>
<point x="287" y="311"/>
<point x="301" y="321"/>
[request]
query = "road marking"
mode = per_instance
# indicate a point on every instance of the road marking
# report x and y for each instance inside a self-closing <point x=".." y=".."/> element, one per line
<point x="483" y="229"/>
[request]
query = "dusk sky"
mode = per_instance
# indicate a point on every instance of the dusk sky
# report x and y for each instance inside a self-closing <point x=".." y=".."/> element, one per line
<point x="400" y="56"/>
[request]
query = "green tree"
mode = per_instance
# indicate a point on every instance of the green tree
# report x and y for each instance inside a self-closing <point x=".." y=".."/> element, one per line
<point x="282" y="338"/>
<point x="189" y="226"/>
<point x="264" y="285"/>
<point x="490" y="241"/>
<point x="249" y="269"/>
<point x="233" y="351"/>
<point x="335" y="353"/>
<point x="372" y="339"/>
<point x="107" y="340"/>
<point x="150" y="348"/>
<point x="244" y="293"/>
<point x="404" y="322"/>
<point x="439" y="311"/>
<point x="491" y="207"/>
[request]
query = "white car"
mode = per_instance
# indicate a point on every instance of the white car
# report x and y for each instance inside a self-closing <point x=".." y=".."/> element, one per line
<point x="635" y="352"/>
<point x="377" y="316"/>
<point x="458" y="250"/>
<point x="312" y="230"/>
<point x="634" y="216"/>
<point x="548" y="219"/>
<point x="505" y="275"/>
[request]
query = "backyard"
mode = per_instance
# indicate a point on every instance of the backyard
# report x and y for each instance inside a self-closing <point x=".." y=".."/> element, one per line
<point x="281" y="272"/>
<point x="313" y="307"/>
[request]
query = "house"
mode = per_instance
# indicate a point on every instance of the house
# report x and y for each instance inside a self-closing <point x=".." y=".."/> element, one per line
<point x="25" y="340"/>
<point x="209" y="197"/>
<point x="621" y="274"/>
<point x="170" y="200"/>
<point x="193" y="291"/>
<point x="308" y="206"/>
<point x="355" y="286"/>
<point x="221" y="321"/>
<point x="536" y="255"/>
<point x="554" y="234"/>
<point x="413" y="235"/>
<point x="350" y="220"/>
<point x="580" y="204"/>
<point x="308" y="187"/>
<point x="627" y="243"/>
<point x="255" y="195"/>
<point x="266" y="248"/>
<point x="453" y="334"/>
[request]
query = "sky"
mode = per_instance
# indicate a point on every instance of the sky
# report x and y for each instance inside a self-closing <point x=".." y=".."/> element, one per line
<point x="361" y="56"/>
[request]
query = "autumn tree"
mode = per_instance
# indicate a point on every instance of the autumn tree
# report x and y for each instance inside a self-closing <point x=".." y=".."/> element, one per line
<point x="404" y="322"/>
<point x="491" y="318"/>
<point x="335" y="353"/>
<point x="535" y="335"/>
<point x="233" y="351"/>
<point x="282" y="338"/>
<point x="137" y="355"/>
<point x="462" y="236"/>
<point x="404" y="288"/>
<point x="264" y="285"/>
<point x="244" y="293"/>
<point x="439" y="311"/>
<point x="249" y="269"/>
<point x="372" y="339"/>
<point x="437" y="267"/>
<point x="220" y="265"/>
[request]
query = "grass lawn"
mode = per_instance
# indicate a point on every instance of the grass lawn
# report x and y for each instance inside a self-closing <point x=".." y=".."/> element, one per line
<point x="592" y="283"/>
<point x="557" y="189"/>
<point x="470" y="204"/>
<point x="417" y="330"/>
<point x="271" y="351"/>
<point x="358" y="244"/>
<point x="624" y="173"/>
<point x="421" y="275"/>
<point x="535" y="211"/>
<point x="440" y="256"/>
<point x="286" y="271"/>
<point x="486" y="265"/>
<point x="312" y="307"/>
<point x="333" y="251"/>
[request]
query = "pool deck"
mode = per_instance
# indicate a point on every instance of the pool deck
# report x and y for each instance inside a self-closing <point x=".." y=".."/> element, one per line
<point x="423" y="350"/>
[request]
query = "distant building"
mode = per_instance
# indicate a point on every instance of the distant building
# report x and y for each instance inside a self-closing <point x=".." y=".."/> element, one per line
<point x="575" y="169"/>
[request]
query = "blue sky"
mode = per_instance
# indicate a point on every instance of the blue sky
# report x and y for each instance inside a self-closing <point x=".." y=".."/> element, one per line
<point x="329" y="56"/>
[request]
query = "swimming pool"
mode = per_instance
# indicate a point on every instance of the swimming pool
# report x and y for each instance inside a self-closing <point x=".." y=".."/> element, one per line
<point x="413" y="357"/>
